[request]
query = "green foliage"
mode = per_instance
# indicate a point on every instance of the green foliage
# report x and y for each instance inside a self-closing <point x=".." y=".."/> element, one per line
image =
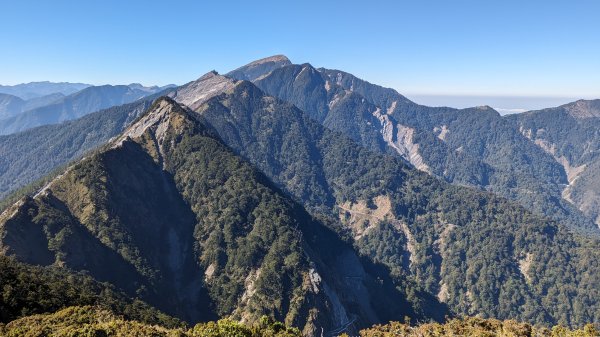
<point x="90" y="321"/>
<point x="95" y="321"/>
<point x="472" y="326"/>
<point x="481" y="148"/>
<point x="192" y="229"/>
<point x="229" y="328"/>
<point x="574" y="139"/>
<point x="471" y="244"/>
<point x="27" y="290"/>
<point x="189" y="224"/>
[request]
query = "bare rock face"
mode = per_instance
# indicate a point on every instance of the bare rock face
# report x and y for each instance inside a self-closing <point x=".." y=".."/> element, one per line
<point x="402" y="141"/>
<point x="195" y="93"/>
<point x="259" y="68"/>
<point x="584" y="109"/>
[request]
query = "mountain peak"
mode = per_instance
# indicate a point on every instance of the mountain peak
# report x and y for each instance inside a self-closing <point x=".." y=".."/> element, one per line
<point x="271" y="59"/>
<point x="208" y="75"/>
<point x="206" y="87"/>
<point x="259" y="68"/>
<point x="158" y="114"/>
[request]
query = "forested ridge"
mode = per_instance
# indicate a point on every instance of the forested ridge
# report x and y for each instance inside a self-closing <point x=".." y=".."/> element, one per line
<point x="30" y="155"/>
<point x="169" y="215"/>
<point x="475" y="147"/>
<point x="254" y="210"/>
<point x="475" y="251"/>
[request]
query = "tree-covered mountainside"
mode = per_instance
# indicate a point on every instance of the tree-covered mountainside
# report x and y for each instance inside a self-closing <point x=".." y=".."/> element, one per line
<point x="169" y="214"/>
<point x="475" y="147"/>
<point x="28" y="290"/>
<point x="331" y="105"/>
<point x="478" y="253"/>
<point x="236" y="203"/>
<point x="571" y="135"/>
<point x="29" y="155"/>
<point x="76" y="105"/>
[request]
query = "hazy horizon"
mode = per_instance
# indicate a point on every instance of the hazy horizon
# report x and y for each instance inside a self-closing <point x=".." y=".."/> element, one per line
<point x="512" y="48"/>
<point x="503" y="104"/>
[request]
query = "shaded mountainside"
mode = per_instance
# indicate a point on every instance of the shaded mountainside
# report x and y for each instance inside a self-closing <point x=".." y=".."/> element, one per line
<point x="478" y="253"/>
<point x="475" y="147"/>
<point x="28" y="290"/>
<point x="571" y="135"/>
<point x="169" y="214"/>
<point x="334" y="107"/>
<point x="74" y="106"/>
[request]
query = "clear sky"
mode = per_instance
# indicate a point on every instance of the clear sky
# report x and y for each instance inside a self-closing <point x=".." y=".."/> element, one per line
<point x="486" y="48"/>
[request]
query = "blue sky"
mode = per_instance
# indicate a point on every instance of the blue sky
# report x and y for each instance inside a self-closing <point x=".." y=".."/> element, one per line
<point x="480" y="48"/>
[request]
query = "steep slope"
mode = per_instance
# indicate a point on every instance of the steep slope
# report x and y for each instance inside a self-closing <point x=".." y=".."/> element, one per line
<point x="74" y="106"/>
<point x="167" y="212"/>
<point x="506" y="163"/>
<point x="338" y="109"/>
<point x="31" y="90"/>
<point x="27" y="156"/>
<point x="474" y="147"/>
<point x="478" y="253"/>
<point x="571" y="135"/>
<point x="583" y="109"/>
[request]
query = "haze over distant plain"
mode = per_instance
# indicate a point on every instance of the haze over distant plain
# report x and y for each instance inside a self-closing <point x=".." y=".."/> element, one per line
<point x="457" y="53"/>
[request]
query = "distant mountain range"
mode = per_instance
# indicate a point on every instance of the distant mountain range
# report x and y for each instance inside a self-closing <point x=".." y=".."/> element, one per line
<point x="17" y="115"/>
<point x="503" y="104"/>
<point x="27" y="91"/>
<point x="12" y="105"/>
<point x="29" y="155"/>
<point x="311" y="196"/>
